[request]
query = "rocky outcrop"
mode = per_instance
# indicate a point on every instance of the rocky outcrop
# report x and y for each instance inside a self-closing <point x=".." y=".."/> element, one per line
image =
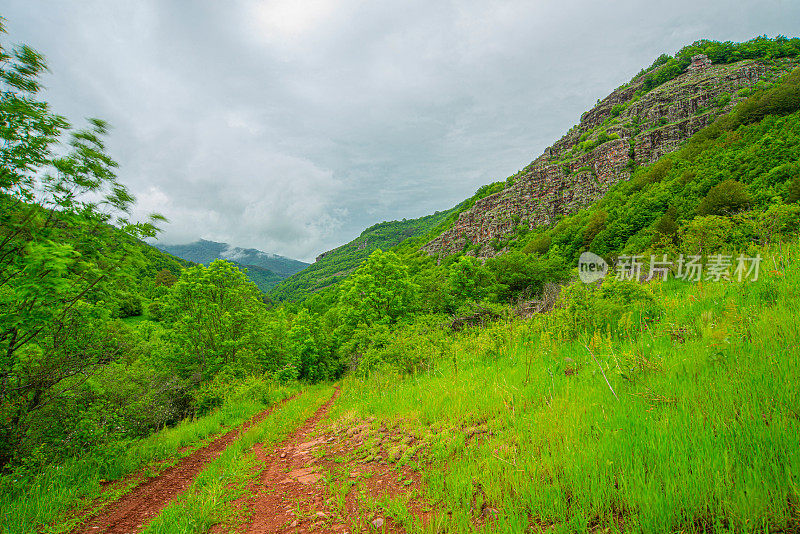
<point x="627" y="128"/>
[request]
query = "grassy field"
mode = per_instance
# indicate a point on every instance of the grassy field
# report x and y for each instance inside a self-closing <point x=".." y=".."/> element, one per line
<point x="689" y="423"/>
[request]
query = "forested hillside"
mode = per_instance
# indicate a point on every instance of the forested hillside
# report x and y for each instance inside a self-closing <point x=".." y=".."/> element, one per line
<point x="333" y="266"/>
<point x="411" y="388"/>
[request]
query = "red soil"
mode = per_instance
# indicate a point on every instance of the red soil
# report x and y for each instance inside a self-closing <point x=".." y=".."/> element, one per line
<point x="134" y="510"/>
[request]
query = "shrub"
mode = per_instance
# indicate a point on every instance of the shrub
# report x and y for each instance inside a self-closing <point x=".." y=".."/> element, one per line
<point x="519" y="274"/>
<point x="793" y="190"/>
<point x="725" y="198"/>
<point x="667" y="227"/>
<point x="155" y="310"/>
<point x="617" y="307"/>
<point x="538" y="245"/>
<point x="130" y="305"/>
<point x="706" y="235"/>
<point x="594" y="227"/>
<point x="722" y="100"/>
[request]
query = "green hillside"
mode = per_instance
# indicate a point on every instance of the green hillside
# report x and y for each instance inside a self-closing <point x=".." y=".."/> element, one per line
<point x="263" y="278"/>
<point x="335" y="265"/>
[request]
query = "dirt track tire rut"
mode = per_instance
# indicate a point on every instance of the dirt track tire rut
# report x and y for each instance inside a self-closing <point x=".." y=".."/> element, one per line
<point x="134" y="510"/>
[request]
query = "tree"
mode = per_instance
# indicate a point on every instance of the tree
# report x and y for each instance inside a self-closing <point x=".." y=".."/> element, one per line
<point x="725" y="198"/>
<point x="217" y="318"/>
<point x="469" y="279"/>
<point x="705" y="235"/>
<point x="305" y="349"/>
<point x="518" y="274"/>
<point x="380" y="291"/>
<point x="595" y="225"/>
<point x="61" y="257"/>
<point x="164" y="277"/>
<point x="666" y="229"/>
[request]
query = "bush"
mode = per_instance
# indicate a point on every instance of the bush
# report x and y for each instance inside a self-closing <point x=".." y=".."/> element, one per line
<point x="725" y="198"/>
<point x="519" y="274"/>
<point x="538" y="245"/>
<point x="594" y="227"/>
<point x="667" y="227"/>
<point x="130" y="305"/>
<point x="793" y="189"/>
<point x="616" y="307"/>
<point x="706" y="235"/>
<point x="155" y="310"/>
<point x="722" y="100"/>
<point x="779" y="100"/>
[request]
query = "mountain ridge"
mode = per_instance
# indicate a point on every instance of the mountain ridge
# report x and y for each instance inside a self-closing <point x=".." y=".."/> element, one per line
<point x="205" y="251"/>
<point x="263" y="268"/>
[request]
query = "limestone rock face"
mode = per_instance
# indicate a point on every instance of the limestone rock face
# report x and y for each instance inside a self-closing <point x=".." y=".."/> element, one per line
<point x="621" y="131"/>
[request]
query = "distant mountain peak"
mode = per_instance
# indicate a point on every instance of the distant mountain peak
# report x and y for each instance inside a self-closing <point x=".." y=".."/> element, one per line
<point x="205" y="251"/>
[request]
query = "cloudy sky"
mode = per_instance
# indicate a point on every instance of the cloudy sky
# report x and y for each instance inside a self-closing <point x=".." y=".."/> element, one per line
<point x="291" y="125"/>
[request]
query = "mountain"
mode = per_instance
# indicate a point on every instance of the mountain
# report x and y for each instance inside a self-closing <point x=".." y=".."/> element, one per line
<point x="205" y="252"/>
<point x="335" y="265"/>
<point x="635" y="125"/>
<point x="264" y="269"/>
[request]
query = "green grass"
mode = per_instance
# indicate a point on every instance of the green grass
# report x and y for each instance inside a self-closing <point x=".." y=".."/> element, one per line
<point x="54" y="500"/>
<point x="703" y="436"/>
<point x="208" y="500"/>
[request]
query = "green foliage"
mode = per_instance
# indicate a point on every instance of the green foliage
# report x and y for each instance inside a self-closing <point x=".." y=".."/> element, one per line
<point x="379" y="292"/>
<point x="725" y="198"/>
<point x="520" y="275"/>
<point x="538" y="245"/>
<point x="595" y="225"/>
<point x="469" y="279"/>
<point x="211" y="340"/>
<point x="166" y="278"/>
<point x="130" y="305"/>
<point x="602" y="138"/>
<point x="667" y="226"/>
<point x="793" y="189"/>
<point x="707" y="234"/>
<point x="719" y="170"/>
<point x="682" y="425"/>
<point x="60" y="258"/>
<point x="214" y="317"/>
<point x="666" y="68"/>
<point x="617" y="307"/>
<point x="334" y="266"/>
<point x="722" y="100"/>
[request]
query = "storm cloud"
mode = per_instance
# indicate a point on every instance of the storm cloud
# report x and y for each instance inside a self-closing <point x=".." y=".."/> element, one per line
<point x="290" y="125"/>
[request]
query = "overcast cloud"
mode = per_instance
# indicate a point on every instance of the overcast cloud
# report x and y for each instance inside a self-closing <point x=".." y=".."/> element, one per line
<point x="292" y="125"/>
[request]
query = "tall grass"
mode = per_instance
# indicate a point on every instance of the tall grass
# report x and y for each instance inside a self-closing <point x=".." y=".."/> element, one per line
<point x="702" y="437"/>
<point x="50" y="500"/>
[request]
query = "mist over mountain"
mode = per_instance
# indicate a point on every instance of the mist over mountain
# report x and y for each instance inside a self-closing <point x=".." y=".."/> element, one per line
<point x="203" y="251"/>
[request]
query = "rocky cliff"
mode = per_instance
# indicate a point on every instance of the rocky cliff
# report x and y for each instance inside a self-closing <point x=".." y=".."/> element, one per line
<point x="629" y="127"/>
